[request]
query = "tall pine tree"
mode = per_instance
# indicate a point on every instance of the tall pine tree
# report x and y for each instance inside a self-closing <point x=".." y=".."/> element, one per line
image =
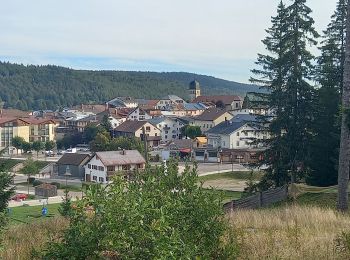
<point x="326" y="127"/>
<point x="286" y="73"/>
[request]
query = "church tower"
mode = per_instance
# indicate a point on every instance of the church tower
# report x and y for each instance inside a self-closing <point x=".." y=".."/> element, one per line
<point x="194" y="90"/>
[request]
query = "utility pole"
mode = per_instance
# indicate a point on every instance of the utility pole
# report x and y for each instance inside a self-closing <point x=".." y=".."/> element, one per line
<point x="145" y="143"/>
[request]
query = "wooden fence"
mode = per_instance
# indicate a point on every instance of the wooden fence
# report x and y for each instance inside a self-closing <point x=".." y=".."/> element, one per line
<point x="260" y="199"/>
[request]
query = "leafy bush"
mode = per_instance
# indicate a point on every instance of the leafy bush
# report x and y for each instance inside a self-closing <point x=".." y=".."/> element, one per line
<point x="57" y="184"/>
<point x="31" y="180"/>
<point x="37" y="183"/>
<point x="158" y="215"/>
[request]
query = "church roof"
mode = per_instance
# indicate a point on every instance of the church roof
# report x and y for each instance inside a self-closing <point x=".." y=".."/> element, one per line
<point x="194" y="85"/>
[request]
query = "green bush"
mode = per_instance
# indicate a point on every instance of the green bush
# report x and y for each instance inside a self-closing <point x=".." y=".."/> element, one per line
<point x="31" y="180"/>
<point x="37" y="183"/>
<point x="57" y="184"/>
<point x="159" y="215"/>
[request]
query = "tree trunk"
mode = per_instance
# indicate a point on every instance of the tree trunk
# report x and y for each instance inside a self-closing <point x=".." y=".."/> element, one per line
<point x="344" y="152"/>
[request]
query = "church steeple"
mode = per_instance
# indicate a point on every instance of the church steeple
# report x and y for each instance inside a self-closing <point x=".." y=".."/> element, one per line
<point x="194" y="90"/>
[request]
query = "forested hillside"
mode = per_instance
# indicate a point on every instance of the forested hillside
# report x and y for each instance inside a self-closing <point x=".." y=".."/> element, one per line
<point x="50" y="87"/>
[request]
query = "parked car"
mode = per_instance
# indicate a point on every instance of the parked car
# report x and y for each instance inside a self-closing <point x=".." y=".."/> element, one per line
<point x="49" y="153"/>
<point x="20" y="196"/>
<point x="60" y="152"/>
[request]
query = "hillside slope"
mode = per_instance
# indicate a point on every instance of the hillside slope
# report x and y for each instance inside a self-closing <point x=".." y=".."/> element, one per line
<point x="50" y="87"/>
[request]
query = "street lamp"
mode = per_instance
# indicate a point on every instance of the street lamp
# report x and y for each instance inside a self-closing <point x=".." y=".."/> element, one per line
<point x="66" y="175"/>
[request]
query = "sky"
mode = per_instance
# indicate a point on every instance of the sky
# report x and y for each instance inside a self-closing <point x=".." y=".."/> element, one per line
<point x="220" y="38"/>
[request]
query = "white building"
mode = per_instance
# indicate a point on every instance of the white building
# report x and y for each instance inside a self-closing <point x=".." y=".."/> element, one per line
<point x="239" y="133"/>
<point x="104" y="165"/>
<point x="170" y="127"/>
<point x="138" y="114"/>
<point x="169" y="101"/>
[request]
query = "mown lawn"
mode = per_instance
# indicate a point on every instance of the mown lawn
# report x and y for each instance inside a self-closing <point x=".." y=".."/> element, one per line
<point x="237" y="175"/>
<point x="28" y="214"/>
<point x="7" y="164"/>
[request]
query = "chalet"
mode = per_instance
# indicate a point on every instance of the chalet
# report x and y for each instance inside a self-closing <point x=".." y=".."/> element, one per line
<point x="169" y="101"/>
<point x="74" y="162"/>
<point x="104" y="165"/>
<point x="210" y="118"/>
<point x="121" y="102"/>
<point x="135" y="128"/>
<point x="226" y="102"/>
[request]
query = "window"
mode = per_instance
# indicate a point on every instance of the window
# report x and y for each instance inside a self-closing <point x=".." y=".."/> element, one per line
<point x="236" y="105"/>
<point x="110" y="168"/>
<point x="100" y="179"/>
<point x="174" y="136"/>
<point x="155" y="134"/>
<point x="89" y="166"/>
<point x="148" y="129"/>
<point x="94" y="178"/>
<point x="237" y="143"/>
<point x="94" y="167"/>
<point x="101" y="168"/>
<point x="237" y="133"/>
<point x="166" y="137"/>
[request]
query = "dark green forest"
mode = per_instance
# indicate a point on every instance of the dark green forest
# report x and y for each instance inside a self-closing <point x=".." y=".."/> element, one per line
<point x="50" y="87"/>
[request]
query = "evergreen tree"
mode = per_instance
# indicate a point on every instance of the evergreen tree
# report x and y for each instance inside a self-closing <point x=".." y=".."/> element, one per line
<point x="65" y="208"/>
<point x="286" y="73"/>
<point x="326" y="127"/>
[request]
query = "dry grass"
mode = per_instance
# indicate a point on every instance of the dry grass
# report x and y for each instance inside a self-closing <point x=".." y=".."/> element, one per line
<point x="290" y="233"/>
<point x="19" y="240"/>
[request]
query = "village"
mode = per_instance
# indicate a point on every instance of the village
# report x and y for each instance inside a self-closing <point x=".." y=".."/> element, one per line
<point x="224" y="131"/>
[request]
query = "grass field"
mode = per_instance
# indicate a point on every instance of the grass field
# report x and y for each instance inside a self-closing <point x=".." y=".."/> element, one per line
<point x="292" y="232"/>
<point x="7" y="164"/>
<point x="28" y="214"/>
<point x="244" y="175"/>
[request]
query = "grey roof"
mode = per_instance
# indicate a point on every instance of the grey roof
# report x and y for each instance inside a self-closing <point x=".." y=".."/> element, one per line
<point x="157" y="120"/>
<point x="232" y="125"/>
<point x="180" y="144"/>
<point x="194" y="106"/>
<point x="124" y="157"/>
<point x="73" y="159"/>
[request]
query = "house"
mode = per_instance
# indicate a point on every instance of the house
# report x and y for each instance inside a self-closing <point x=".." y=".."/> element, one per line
<point x="75" y="163"/>
<point x="258" y="103"/>
<point x="121" y="102"/>
<point x="104" y="165"/>
<point x="169" y="101"/>
<point x="96" y="109"/>
<point x="10" y="128"/>
<point x="181" y="148"/>
<point x="237" y="133"/>
<point x="138" y="114"/>
<point x="14" y="113"/>
<point x="135" y="128"/>
<point x="146" y="104"/>
<point x="194" y="109"/>
<point x="170" y="127"/>
<point x="210" y="118"/>
<point x="226" y="102"/>
<point x="41" y="129"/>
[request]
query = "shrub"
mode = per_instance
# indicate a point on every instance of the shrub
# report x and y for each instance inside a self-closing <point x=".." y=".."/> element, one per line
<point x="57" y="184"/>
<point x="37" y="183"/>
<point x="31" y="180"/>
<point x="159" y="215"/>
